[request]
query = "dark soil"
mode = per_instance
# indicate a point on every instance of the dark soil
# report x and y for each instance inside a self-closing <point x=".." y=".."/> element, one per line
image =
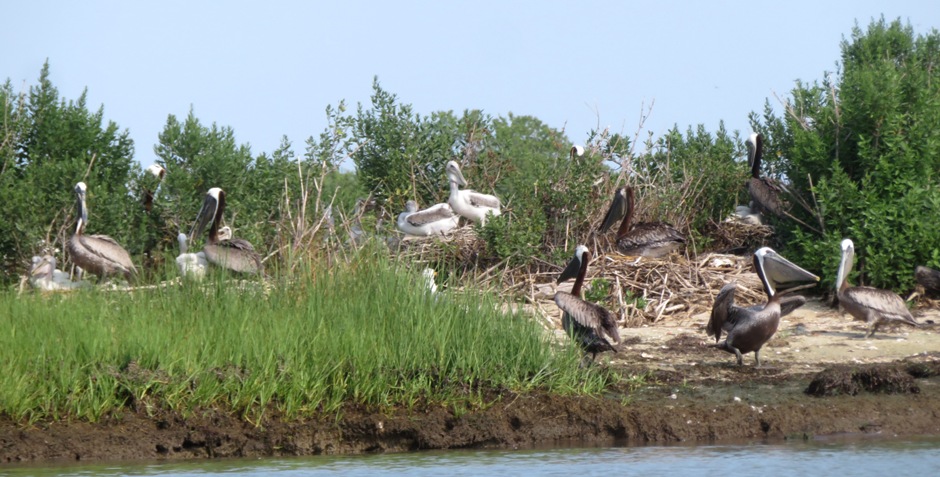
<point x="694" y="403"/>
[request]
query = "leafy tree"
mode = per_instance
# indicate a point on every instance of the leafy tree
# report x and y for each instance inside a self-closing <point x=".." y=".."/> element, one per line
<point x="49" y="144"/>
<point x="865" y="145"/>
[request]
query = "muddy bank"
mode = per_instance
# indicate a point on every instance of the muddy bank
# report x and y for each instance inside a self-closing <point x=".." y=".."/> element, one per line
<point x="668" y="408"/>
<point x="675" y="388"/>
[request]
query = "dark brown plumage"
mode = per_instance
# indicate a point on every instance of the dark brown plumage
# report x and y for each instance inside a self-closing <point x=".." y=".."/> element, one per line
<point x="929" y="279"/>
<point x="765" y="192"/>
<point x="97" y="254"/>
<point x="233" y="254"/>
<point x="750" y="328"/>
<point x="646" y="239"/>
<point x="586" y="323"/>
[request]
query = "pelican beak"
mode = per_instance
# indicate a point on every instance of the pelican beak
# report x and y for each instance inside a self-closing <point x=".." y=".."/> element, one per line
<point x="571" y="270"/>
<point x="781" y="274"/>
<point x="455" y="175"/>
<point x="80" y="190"/>
<point x="616" y="211"/>
<point x="206" y="215"/>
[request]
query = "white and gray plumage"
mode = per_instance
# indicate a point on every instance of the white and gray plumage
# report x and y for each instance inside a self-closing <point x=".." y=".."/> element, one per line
<point x="44" y="275"/>
<point x="97" y="254"/>
<point x="871" y="305"/>
<point x="765" y="192"/>
<point x="439" y="219"/>
<point x="468" y="203"/>
<point x="233" y="254"/>
<point x="749" y="328"/>
<point x="585" y="322"/>
<point x="647" y="239"/>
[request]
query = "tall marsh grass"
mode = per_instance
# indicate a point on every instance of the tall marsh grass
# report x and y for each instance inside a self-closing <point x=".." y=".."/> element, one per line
<point x="367" y="333"/>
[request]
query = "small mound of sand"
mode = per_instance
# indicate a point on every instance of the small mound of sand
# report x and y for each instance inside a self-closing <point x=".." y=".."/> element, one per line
<point x="851" y="380"/>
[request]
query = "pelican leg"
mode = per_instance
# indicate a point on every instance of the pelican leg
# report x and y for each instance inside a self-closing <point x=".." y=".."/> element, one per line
<point x="738" y="353"/>
<point x="757" y="357"/>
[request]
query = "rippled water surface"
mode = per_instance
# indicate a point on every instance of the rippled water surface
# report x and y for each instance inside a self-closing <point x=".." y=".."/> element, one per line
<point x="868" y="457"/>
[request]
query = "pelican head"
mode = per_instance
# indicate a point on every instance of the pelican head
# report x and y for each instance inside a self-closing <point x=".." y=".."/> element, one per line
<point x="80" y="190"/>
<point x="755" y="147"/>
<point x="779" y="274"/>
<point x="454" y="174"/>
<point x="225" y="233"/>
<point x="157" y="171"/>
<point x="577" y="151"/>
<point x="184" y="246"/>
<point x="845" y="266"/>
<point x="411" y="206"/>
<point x="212" y="208"/>
<point x="43" y="267"/>
<point x="581" y="256"/>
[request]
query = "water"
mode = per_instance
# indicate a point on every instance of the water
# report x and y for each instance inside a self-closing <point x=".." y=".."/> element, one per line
<point x="844" y="457"/>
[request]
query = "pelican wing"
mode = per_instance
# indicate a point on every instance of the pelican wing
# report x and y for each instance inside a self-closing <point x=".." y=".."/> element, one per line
<point x="887" y="303"/>
<point x="482" y="200"/>
<point x="234" y="254"/>
<point x="432" y="214"/>
<point x="650" y="234"/>
<point x="588" y="315"/>
<point x="108" y="249"/>
<point x="766" y="194"/>
<point x="722" y="311"/>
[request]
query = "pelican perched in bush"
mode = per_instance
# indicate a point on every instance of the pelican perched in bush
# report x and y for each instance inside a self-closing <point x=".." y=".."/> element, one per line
<point x="648" y="239"/>
<point x="585" y="322"/>
<point x="765" y="192"/>
<point x="194" y="265"/>
<point x="233" y="254"/>
<point x="439" y="219"/>
<point x="467" y="203"/>
<point x="97" y="254"/>
<point x="749" y="328"/>
<point x="45" y="276"/>
<point x="871" y="305"/>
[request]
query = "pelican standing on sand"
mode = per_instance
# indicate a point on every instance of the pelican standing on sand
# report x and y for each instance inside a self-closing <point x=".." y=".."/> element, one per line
<point x="233" y="254"/>
<point x="585" y="322"/>
<point x="648" y="239"/>
<point x="871" y="305"/>
<point x="749" y="328"/>
<point x="468" y="203"/>
<point x="765" y="192"/>
<point x="439" y="219"/>
<point x="97" y="254"/>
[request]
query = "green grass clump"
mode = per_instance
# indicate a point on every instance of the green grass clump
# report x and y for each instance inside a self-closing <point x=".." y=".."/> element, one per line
<point x="367" y="333"/>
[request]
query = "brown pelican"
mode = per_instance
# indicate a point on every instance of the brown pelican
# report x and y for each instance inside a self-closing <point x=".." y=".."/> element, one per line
<point x="45" y="276"/>
<point x="765" y="192"/>
<point x="97" y="254"/>
<point x="439" y="219"/>
<point x="467" y="203"/>
<point x="648" y="239"/>
<point x="871" y="305"/>
<point x="928" y="278"/>
<point x="749" y="328"/>
<point x="585" y="322"/>
<point x="233" y="254"/>
<point x="158" y="173"/>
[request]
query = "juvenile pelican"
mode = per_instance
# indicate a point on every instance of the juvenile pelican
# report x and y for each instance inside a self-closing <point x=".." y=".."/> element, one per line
<point x="439" y="219"/>
<point x="871" y="305"/>
<point x="467" y="203"/>
<point x="749" y="328"/>
<point x="648" y="239"/>
<point x="765" y="192"/>
<point x="585" y="322"/>
<point x="97" y="254"/>
<point x="45" y="276"/>
<point x="233" y="254"/>
<point x="194" y="265"/>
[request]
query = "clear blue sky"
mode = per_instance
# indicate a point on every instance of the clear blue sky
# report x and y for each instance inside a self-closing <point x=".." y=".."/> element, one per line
<point x="269" y="69"/>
